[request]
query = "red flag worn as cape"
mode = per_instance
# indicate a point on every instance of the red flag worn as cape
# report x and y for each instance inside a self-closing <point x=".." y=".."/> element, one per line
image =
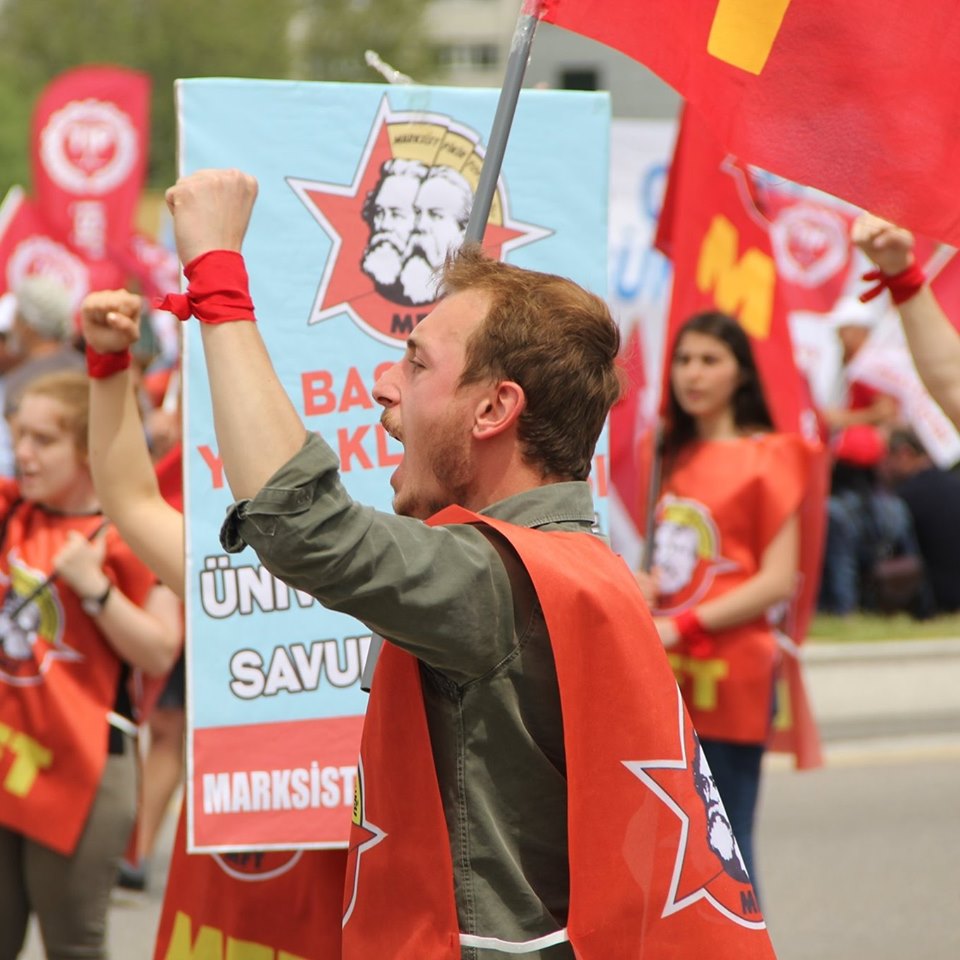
<point x="644" y="880"/>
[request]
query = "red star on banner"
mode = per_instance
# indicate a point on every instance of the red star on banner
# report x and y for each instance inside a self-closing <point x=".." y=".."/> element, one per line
<point x="385" y="310"/>
<point x="707" y="865"/>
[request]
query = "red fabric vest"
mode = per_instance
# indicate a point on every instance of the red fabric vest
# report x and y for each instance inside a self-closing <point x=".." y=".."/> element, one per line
<point x="721" y="506"/>
<point x="645" y="882"/>
<point x="58" y="678"/>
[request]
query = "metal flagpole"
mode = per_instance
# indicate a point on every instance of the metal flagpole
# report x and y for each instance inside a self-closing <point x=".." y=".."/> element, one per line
<point x="489" y="174"/>
<point x="503" y="119"/>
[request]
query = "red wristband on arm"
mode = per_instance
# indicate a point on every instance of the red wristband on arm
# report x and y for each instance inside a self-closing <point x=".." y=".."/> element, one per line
<point x="218" y="290"/>
<point x="100" y="365"/>
<point x="902" y="285"/>
<point x="693" y="635"/>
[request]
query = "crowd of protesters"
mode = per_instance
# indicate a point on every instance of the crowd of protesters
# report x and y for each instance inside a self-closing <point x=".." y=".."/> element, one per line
<point x="893" y="543"/>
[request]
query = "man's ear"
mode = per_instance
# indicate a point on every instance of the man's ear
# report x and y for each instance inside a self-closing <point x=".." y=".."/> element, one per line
<point x="499" y="409"/>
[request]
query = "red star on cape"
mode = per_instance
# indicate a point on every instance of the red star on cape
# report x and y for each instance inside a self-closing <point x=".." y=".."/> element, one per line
<point x="699" y="873"/>
<point x="364" y="835"/>
<point x="338" y="208"/>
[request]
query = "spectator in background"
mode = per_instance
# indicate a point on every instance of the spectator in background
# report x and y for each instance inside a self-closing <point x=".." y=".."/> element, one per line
<point x="864" y="520"/>
<point x="42" y="336"/>
<point x="932" y="496"/>
<point x="78" y="614"/>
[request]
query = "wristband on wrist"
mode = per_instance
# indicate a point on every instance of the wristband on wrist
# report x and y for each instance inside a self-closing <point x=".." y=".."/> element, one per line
<point x="902" y="285"/>
<point x="100" y="365"/>
<point x="218" y="290"/>
<point x="692" y="634"/>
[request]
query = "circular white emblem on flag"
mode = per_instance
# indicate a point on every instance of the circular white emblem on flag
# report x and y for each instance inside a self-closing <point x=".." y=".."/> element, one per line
<point x="810" y="244"/>
<point x="88" y="147"/>
<point x="39" y="254"/>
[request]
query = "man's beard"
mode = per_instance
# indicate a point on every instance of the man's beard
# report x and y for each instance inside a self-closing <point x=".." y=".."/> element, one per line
<point x="451" y="465"/>
<point x="723" y="843"/>
<point x="418" y="279"/>
<point x="382" y="260"/>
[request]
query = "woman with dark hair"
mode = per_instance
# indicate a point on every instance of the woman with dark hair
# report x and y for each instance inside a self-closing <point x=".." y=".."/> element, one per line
<point x="726" y="551"/>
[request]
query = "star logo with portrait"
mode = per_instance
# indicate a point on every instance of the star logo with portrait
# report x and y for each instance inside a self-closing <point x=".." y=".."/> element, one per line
<point x="393" y="225"/>
<point x="708" y="867"/>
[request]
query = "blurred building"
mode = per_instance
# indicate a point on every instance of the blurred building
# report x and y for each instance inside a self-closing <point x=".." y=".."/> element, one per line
<point x="472" y="41"/>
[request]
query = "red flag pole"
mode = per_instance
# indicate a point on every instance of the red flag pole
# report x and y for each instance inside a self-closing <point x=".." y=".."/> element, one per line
<point x="503" y="118"/>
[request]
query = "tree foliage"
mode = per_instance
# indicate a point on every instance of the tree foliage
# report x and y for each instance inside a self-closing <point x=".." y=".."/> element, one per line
<point x="334" y="34"/>
<point x="167" y="39"/>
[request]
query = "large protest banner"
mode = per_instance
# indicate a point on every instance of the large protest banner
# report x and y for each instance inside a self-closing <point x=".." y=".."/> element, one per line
<point x="363" y="189"/>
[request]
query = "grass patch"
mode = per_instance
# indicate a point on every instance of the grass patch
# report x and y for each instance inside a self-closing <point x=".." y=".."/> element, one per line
<point x="866" y="627"/>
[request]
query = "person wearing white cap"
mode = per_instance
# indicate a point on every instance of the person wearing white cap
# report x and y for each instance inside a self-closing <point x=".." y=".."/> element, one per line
<point x="42" y="333"/>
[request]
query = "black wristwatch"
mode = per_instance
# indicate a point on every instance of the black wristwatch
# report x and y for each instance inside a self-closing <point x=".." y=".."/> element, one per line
<point x="93" y="606"/>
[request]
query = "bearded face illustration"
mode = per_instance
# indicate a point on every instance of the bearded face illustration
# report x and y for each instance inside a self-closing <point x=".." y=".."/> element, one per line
<point x="389" y="215"/>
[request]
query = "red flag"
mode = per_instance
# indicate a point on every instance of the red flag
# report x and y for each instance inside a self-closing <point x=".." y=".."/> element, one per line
<point x="720" y="246"/>
<point x="719" y="242"/>
<point x="628" y="425"/>
<point x="27" y="247"/>
<point x="944" y="272"/>
<point x="155" y="267"/>
<point x="852" y="98"/>
<point x="272" y="903"/>
<point x="811" y="246"/>
<point x="89" y="157"/>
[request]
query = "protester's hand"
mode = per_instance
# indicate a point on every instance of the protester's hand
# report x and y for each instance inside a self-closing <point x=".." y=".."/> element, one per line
<point x="211" y="210"/>
<point x="79" y="563"/>
<point x="667" y="630"/>
<point x="890" y="247"/>
<point x="110" y="319"/>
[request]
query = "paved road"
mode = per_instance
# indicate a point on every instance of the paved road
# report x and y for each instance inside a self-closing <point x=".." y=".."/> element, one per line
<point x="858" y="860"/>
<point x="861" y="859"/>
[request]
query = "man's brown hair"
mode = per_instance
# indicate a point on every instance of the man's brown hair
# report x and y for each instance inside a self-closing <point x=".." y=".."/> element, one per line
<point x="554" y="339"/>
<point x="71" y="388"/>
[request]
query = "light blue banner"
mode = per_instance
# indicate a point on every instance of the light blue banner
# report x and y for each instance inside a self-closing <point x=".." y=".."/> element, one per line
<point x="350" y="175"/>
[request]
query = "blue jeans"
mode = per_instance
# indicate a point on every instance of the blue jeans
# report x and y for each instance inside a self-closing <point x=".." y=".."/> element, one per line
<point x="858" y="524"/>
<point x="736" y="772"/>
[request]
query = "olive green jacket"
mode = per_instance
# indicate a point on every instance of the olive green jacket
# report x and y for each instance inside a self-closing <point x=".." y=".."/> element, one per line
<point x="465" y="608"/>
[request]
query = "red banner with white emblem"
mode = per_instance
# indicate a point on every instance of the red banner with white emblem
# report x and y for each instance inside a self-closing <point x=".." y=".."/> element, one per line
<point x="839" y="96"/>
<point x="89" y="157"/>
<point x="27" y="247"/>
